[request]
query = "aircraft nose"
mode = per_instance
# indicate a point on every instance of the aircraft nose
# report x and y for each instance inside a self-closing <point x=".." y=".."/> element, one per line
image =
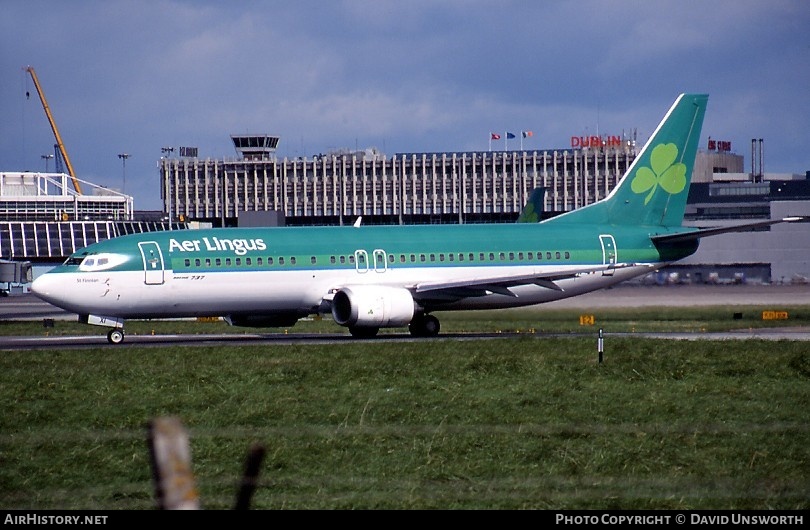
<point x="45" y="287"/>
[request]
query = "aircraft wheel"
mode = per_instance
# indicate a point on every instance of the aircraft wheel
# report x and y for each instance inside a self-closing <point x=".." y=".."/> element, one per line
<point x="431" y="326"/>
<point x="424" y="326"/>
<point x="363" y="332"/>
<point x="115" y="336"/>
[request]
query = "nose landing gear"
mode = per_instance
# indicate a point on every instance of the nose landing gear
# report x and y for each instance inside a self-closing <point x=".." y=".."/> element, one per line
<point x="115" y="336"/>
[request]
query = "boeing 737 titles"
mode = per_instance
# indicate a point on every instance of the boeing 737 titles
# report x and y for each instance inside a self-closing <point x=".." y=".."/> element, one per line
<point x="370" y="277"/>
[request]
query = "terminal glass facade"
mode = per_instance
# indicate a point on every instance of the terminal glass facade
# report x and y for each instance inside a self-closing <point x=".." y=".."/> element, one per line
<point x="414" y="188"/>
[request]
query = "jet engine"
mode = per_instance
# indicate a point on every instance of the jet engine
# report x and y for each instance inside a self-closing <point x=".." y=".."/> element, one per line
<point x="373" y="306"/>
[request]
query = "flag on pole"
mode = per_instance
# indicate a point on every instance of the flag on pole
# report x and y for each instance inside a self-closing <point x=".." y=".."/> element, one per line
<point x="493" y="136"/>
<point x="524" y="134"/>
<point x="506" y="142"/>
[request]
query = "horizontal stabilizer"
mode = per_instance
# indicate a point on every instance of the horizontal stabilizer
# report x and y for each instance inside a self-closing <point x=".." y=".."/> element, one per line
<point x="706" y="232"/>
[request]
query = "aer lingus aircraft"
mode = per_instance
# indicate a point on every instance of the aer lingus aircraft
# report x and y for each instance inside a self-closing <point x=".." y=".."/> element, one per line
<point x="370" y="277"/>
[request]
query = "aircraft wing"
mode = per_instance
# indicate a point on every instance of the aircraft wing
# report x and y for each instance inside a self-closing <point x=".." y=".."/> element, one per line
<point x="482" y="285"/>
<point x="705" y="232"/>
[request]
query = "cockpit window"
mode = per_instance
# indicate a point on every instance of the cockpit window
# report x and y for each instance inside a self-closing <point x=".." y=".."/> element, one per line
<point x="73" y="260"/>
<point x="101" y="262"/>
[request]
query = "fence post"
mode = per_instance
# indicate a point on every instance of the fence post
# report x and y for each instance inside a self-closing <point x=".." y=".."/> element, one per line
<point x="600" y="345"/>
<point x="249" y="478"/>
<point x="171" y="465"/>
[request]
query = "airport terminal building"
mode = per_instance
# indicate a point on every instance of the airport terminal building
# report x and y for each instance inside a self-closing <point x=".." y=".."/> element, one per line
<point x="406" y="188"/>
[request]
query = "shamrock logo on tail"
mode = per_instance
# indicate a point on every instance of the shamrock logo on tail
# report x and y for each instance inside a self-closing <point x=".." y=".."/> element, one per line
<point x="665" y="173"/>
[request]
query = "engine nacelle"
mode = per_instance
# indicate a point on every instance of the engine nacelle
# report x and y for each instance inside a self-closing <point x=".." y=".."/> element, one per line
<point x="373" y="306"/>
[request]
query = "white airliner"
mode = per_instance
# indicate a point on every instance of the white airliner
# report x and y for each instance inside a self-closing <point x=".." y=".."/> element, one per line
<point x="370" y="277"/>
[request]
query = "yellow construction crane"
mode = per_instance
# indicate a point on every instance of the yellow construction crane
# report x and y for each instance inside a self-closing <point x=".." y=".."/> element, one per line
<point x="56" y="135"/>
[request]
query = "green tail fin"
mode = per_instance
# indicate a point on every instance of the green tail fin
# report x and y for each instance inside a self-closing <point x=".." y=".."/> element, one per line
<point x="534" y="207"/>
<point x="653" y="191"/>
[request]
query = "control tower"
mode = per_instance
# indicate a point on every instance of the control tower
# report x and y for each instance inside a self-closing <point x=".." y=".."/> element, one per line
<point x="255" y="146"/>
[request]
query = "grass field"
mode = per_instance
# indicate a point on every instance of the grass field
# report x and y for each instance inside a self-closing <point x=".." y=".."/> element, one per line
<point x="528" y="421"/>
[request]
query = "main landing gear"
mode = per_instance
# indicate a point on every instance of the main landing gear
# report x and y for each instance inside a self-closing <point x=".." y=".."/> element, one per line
<point x="424" y="326"/>
<point x="115" y="336"/>
<point x="420" y="326"/>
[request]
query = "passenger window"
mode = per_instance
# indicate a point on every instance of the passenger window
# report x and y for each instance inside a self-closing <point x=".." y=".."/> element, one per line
<point x="259" y="260"/>
<point x="280" y="261"/>
<point x="557" y="255"/>
<point x="312" y="260"/>
<point x="502" y="256"/>
<point x="238" y="261"/>
<point x="269" y="260"/>
<point x="292" y="260"/>
<point x="343" y="259"/>
<point x="218" y="262"/>
<point x="548" y="255"/>
<point x="491" y="256"/>
<point x="188" y="262"/>
<point x="227" y="262"/>
<point x="197" y="262"/>
<point x="567" y="255"/>
<point x="332" y="259"/>
<point x="531" y="256"/>
<point x="248" y="261"/>
<point x="511" y="256"/>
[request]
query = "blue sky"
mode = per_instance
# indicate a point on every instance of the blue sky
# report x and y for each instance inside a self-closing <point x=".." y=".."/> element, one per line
<point x="416" y="76"/>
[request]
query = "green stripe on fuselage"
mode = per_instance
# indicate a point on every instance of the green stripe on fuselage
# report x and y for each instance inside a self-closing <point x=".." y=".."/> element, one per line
<point x="515" y="241"/>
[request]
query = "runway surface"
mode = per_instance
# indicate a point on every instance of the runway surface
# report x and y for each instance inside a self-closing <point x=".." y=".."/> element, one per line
<point x="28" y="307"/>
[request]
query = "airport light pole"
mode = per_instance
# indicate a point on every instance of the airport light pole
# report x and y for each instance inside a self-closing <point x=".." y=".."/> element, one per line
<point x="123" y="157"/>
<point x="46" y="158"/>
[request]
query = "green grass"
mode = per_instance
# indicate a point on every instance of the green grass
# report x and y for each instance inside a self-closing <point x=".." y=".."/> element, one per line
<point x="527" y="421"/>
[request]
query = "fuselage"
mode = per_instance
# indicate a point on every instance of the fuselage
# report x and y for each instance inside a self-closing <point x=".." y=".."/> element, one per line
<point x="290" y="271"/>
